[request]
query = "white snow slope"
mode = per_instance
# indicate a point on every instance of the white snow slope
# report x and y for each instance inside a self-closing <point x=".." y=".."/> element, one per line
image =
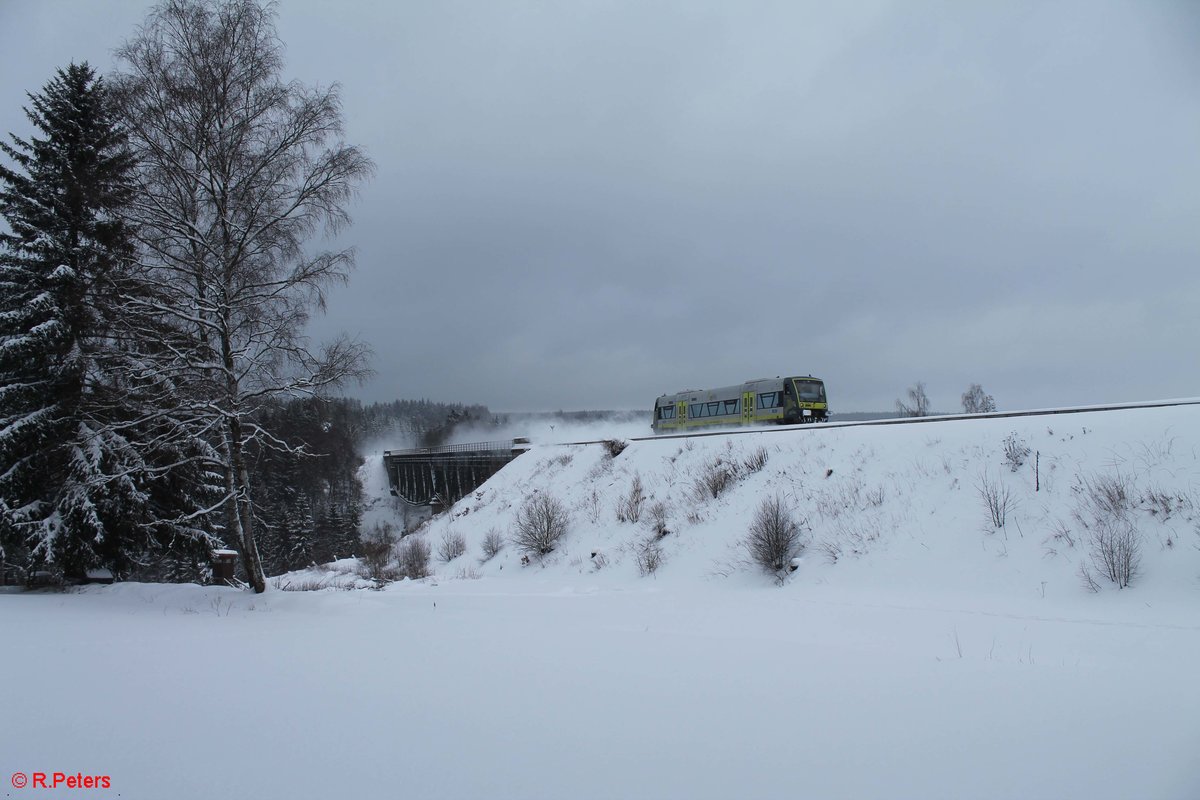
<point x="918" y="652"/>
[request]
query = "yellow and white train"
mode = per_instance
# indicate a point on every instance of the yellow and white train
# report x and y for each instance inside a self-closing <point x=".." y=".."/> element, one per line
<point x="786" y="401"/>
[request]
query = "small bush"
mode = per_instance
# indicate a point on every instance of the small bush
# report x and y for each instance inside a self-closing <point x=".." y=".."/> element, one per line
<point x="1159" y="502"/>
<point x="541" y="522"/>
<point x="1104" y="496"/>
<point x="656" y="518"/>
<point x="414" y="558"/>
<point x="1087" y="578"/>
<point x="1062" y="535"/>
<point x="649" y="558"/>
<point x="629" y="507"/>
<point x="1015" y="451"/>
<point x="452" y="546"/>
<point x="831" y="549"/>
<point x="614" y="447"/>
<point x="756" y="460"/>
<point x="774" y="537"/>
<point x="377" y="552"/>
<point x="716" y="477"/>
<point x="493" y="543"/>
<point x="996" y="498"/>
<point x="1115" y="548"/>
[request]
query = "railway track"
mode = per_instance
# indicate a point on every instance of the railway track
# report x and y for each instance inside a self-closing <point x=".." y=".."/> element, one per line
<point x="1046" y="412"/>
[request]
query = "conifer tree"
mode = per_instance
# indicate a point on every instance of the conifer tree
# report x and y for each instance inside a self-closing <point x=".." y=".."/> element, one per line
<point x="62" y="199"/>
<point x="89" y="474"/>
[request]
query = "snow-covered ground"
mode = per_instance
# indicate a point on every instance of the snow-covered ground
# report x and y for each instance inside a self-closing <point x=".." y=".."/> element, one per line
<point x="919" y="651"/>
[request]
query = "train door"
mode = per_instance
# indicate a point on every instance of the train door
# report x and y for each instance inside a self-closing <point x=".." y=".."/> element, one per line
<point x="747" y="408"/>
<point x="681" y="412"/>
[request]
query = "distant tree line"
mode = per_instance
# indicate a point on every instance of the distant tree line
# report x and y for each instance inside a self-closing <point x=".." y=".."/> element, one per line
<point x="424" y="423"/>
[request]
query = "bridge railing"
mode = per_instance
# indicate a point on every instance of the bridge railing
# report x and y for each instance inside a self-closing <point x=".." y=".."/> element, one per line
<point x="505" y="446"/>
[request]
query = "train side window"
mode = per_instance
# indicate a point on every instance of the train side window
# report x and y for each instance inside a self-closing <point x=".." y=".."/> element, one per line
<point x="768" y="400"/>
<point x="714" y="409"/>
<point x="695" y="410"/>
<point x="731" y="406"/>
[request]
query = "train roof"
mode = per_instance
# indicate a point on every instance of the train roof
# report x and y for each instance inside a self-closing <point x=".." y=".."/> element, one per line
<point x="735" y="389"/>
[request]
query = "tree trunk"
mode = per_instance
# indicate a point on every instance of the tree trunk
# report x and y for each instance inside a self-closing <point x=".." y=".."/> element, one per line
<point x="243" y="510"/>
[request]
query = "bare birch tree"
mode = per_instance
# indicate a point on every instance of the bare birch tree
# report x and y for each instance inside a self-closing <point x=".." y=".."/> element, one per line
<point x="239" y="170"/>
<point x="977" y="401"/>
<point x="918" y="402"/>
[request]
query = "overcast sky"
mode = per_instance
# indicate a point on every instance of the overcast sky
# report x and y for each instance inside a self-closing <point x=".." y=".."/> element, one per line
<point x="588" y="204"/>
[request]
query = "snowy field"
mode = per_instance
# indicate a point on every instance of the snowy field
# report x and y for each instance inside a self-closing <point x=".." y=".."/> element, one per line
<point x="919" y="651"/>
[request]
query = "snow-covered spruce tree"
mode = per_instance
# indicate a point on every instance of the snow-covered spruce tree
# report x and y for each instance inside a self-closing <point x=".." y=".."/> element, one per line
<point x="73" y="482"/>
<point x="238" y="170"/>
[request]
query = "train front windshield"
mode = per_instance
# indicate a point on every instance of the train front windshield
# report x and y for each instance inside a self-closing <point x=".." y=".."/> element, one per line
<point x="810" y="391"/>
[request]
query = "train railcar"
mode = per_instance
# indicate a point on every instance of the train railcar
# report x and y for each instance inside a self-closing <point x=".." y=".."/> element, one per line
<point x="785" y="401"/>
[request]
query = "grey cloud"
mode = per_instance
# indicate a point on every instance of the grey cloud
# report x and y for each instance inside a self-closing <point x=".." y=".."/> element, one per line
<point x="587" y="204"/>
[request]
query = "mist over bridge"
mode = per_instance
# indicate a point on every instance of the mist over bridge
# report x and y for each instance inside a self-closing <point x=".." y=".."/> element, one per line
<point x="440" y="476"/>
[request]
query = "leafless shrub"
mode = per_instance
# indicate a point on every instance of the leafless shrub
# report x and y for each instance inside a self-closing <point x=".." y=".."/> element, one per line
<point x="1087" y="578"/>
<point x="541" y="522"/>
<point x="1115" y="549"/>
<point x="451" y="546"/>
<point x="564" y="459"/>
<point x="649" y="558"/>
<point x="311" y="585"/>
<point x="614" y="447"/>
<point x="774" y="537"/>
<point x="716" y="476"/>
<point x="468" y="574"/>
<point x="1061" y="534"/>
<point x="1103" y="496"/>
<point x="377" y="552"/>
<point x="414" y="558"/>
<point x="493" y="543"/>
<point x="831" y="549"/>
<point x="1159" y="502"/>
<point x="656" y="517"/>
<point x="1015" y="451"/>
<point x="591" y="505"/>
<point x="876" y="496"/>
<point x="996" y="498"/>
<point x="629" y="507"/>
<point x="599" y="560"/>
<point x="756" y="460"/>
